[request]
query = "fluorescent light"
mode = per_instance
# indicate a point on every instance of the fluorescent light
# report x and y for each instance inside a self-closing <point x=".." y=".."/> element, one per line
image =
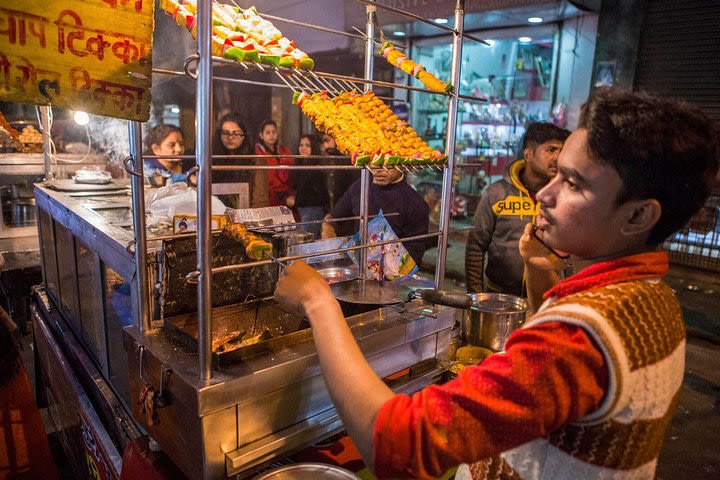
<point x="398" y="33"/>
<point x="81" y="118"/>
<point x="175" y="110"/>
<point x="525" y="39"/>
<point x="441" y="20"/>
<point x="535" y="20"/>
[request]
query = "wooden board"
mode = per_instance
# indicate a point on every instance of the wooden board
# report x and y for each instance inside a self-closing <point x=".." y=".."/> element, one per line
<point x="91" y="55"/>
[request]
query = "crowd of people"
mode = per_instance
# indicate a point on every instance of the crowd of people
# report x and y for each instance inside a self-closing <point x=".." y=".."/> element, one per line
<point x="314" y="195"/>
<point x="307" y="192"/>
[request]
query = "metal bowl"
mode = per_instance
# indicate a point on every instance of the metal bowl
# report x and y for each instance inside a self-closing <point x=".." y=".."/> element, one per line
<point x="338" y="274"/>
<point x="308" y="471"/>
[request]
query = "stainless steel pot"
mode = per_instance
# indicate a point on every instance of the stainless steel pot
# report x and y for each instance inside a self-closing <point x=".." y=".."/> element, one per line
<point x="492" y="318"/>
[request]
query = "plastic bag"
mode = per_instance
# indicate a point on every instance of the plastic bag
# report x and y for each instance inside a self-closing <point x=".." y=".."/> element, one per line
<point x="92" y="175"/>
<point x="388" y="261"/>
<point x="178" y="200"/>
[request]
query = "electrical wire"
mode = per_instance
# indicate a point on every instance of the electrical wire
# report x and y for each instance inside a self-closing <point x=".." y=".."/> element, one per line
<point x="53" y="148"/>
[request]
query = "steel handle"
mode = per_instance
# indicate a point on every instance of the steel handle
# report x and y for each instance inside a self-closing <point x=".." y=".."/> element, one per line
<point x="127" y="168"/>
<point x="448" y="299"/>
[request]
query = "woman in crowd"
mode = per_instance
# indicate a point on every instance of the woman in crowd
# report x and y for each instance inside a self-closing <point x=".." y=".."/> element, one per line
<point x="232" y="138"/>
<point x="311" y="192"/>
<point x="165" y="139"/>
<point x="279" y="181"/>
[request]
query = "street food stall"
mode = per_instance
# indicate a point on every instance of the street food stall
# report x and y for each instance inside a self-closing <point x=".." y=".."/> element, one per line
<point x="144" y="330"/>
<point x="21" y="165"/>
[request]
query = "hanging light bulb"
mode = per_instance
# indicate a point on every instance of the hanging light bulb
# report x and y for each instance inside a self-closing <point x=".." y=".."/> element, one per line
<point x="81" y="118"/>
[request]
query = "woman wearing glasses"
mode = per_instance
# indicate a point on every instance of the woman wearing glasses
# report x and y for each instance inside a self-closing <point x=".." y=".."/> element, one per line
<point x="232" y="138"/>
<point x="280" y="184"/>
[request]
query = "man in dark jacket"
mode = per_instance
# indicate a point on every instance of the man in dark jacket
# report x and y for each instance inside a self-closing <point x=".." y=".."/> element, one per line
<point x="492" y="261"/>
<point x="390" y="193"/>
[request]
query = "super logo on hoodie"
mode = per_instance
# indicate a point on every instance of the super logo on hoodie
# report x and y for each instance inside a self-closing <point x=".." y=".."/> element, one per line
<point x="519" y="205"/>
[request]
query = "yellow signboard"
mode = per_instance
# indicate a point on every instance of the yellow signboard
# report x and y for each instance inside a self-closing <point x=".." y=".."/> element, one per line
<point x="91" y="55"/>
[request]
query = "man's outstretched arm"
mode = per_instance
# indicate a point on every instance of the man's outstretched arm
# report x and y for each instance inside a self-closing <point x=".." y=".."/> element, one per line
<point x="355" y="389"/>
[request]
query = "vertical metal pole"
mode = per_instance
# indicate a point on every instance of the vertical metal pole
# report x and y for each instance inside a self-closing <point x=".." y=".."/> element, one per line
<point x="365" y="174"/>
<point x="45" y="114"/>
<point x="450" y="145"/>
<point x="202" y="155"/>
<point x="137" y="184"/>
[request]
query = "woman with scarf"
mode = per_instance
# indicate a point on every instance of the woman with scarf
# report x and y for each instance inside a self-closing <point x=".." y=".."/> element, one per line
<point x="165" y="140"/>
<point x="280" y="184"/>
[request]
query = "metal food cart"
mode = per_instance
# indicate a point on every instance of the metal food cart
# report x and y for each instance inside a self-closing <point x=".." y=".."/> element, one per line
<point x="128" y="316"/>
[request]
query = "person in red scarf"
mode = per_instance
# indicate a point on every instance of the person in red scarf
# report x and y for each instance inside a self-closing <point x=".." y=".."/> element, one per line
<point x="280" y="182"/>
<point x="587" y="387"/>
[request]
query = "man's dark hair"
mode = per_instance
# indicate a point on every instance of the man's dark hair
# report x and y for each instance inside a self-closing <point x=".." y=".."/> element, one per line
<point x="661" y="149"/>
<point x="540" y="132"/>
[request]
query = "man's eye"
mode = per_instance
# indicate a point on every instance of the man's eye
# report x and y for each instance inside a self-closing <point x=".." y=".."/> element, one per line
<point x="571" y="185"/>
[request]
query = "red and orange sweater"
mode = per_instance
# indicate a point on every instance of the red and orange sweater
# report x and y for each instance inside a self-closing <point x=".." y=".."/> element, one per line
<point x="599" y="365"/>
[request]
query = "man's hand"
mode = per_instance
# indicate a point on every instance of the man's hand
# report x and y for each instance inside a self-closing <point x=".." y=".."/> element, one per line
<point x="536" y="255"/>
<point x="327" y="230"/>
<point x="300" y="286"/>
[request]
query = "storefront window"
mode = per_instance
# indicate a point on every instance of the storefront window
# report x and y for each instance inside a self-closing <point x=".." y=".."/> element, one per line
<point x="513" y="75"/>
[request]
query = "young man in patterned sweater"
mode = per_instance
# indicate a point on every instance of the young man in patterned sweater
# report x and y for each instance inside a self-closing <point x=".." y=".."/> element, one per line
<point x="587" y="387"/>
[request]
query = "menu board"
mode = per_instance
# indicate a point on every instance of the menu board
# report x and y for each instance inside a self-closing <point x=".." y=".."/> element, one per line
<point x="90" y="55"/>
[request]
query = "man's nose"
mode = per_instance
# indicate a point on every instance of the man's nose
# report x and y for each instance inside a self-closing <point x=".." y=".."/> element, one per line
<point x="545" y="195"/>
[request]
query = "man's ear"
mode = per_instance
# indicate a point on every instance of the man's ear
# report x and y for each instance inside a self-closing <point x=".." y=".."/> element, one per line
<point x="643" y="215"/>
<point x="528" y="153"/>
<point x="155" y="149"/>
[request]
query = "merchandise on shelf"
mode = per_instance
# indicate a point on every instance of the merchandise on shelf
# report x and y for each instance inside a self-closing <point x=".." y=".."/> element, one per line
<point x="399" y="59"/>
<point x="241" y="34"/>
<point x="31" y="139"/>
<point x="366" y="130"/>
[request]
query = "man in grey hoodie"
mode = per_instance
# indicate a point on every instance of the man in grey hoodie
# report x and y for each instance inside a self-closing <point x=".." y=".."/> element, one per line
<point x="492" y="260"/>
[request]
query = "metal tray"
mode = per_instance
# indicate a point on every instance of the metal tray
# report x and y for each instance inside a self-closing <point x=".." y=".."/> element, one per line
<point x="278" y="328"/>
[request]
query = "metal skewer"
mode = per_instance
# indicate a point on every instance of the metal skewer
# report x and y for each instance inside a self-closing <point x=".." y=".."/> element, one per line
<point x="279" y="262"/>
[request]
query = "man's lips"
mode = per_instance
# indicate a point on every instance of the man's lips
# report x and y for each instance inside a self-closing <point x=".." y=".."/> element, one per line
<point x="543" y="221"/>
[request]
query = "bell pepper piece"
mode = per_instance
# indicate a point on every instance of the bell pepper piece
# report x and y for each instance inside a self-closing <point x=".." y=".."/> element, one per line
<point x="257" y="249"/>
<point x="306" y="63"/>
<point x="235" y="53"/>
<point x="287" y="62"/>
<point x="362" y="160"/>
<point x="270" y="59"/>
